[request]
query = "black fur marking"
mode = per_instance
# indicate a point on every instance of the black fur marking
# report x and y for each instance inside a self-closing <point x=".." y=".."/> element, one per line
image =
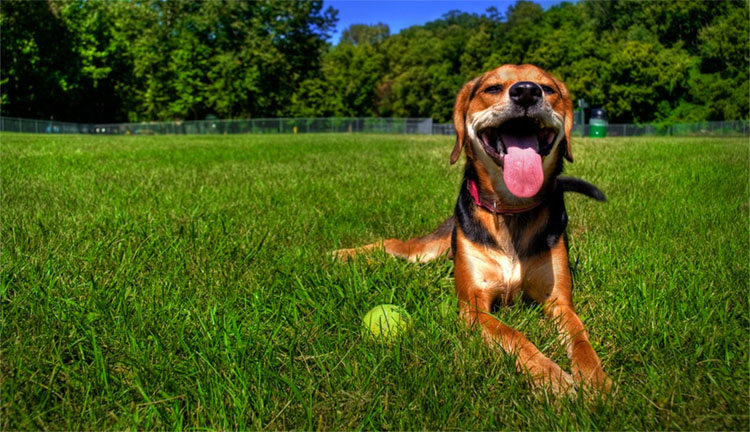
<point x="474" y="89"/>
<point x="465" y="207"/>
<point x="453" y="242"/>
<point x="443" y="229"/>
<point x="547" y="237"/>
<point x="558" y="222"/>
<point x="557" y="218"/>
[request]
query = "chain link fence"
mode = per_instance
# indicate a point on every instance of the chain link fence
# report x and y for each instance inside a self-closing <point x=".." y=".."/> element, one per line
<point x="715" y="128"/>
<point x="251" y="126"/>
<point x="12" y="124"/>
<point x="343" y="124"/>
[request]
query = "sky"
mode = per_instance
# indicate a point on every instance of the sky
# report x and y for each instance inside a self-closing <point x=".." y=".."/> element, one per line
<point x="402" y="14"/>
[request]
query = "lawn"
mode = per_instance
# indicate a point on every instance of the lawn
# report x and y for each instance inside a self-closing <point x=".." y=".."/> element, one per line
<point x="175" y="282"/>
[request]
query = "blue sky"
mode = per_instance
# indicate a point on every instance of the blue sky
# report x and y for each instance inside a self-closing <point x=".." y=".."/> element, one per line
<point x="402" y="14"/>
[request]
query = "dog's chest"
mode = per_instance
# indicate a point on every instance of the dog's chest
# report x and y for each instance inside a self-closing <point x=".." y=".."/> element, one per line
<point x="500" y="273"/>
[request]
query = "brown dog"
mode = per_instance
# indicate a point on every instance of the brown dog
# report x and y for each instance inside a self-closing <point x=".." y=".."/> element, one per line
<point x="507" y="235"/>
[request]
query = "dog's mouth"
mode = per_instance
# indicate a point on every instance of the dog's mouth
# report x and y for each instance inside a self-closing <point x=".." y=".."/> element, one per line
<point x="518" y="146"/>
<point x="522" y="132"/>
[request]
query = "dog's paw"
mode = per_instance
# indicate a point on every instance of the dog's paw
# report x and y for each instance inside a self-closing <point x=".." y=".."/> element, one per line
<point x="552" y="377"/>
<point x="594" y="379"/>
<point x="600" y="382"/>
<point x="346" y="254"/>
<point x="343" y="254"/>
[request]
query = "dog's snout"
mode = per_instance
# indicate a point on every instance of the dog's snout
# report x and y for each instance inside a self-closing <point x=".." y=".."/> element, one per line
<point x="525" y="93"/>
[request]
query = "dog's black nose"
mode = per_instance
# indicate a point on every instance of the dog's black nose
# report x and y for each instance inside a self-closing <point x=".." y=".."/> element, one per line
<point x="525" y="93"/>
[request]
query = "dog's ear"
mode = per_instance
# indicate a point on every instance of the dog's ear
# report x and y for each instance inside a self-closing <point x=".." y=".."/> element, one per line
<point x="459" y="115"/>
<point x="568" y="118"/>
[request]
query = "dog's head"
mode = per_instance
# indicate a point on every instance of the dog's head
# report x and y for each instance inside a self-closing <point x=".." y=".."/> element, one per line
<point x="514" y="123"/>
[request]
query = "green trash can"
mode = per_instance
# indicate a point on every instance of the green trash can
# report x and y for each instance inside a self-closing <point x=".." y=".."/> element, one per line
<point x="598" y="123"/>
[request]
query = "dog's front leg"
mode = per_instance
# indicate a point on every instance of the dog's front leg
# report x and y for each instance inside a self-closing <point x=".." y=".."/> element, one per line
<point x="586" y="366"/>
<point x="474" y="279"/>
<point x="548" y="282"/>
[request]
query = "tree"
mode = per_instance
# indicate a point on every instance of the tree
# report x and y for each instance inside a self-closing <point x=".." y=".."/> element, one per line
<point x="358" y="34"/>
<point x="723" y="83"/>
<point x="347" y="83"/>
<point x="97" y="60"/>
<point x="47" y="69"/>
<point x="234" y="58"/>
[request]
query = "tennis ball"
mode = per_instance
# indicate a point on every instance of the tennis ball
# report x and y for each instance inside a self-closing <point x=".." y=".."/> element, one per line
<point x="385" y="322"/>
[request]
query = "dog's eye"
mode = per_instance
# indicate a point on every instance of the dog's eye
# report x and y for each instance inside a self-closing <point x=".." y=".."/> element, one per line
<point x="494" y="89"/>
<point x="548" y="89"/>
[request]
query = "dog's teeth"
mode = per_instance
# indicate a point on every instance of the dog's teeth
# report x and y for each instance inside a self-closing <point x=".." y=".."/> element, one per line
<point x="547" y="136"/>
<point x="550" y="137"/>
<point x="486" y="139"/>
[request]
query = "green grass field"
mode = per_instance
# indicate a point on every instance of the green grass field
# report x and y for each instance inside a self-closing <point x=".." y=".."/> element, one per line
<point x="175" y="282"/>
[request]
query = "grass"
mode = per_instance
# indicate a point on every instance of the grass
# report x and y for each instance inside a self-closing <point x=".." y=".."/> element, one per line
<point x="176" y="282"/>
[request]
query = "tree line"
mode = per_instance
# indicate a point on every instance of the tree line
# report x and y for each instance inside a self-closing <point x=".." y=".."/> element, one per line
<point x="103" y="61"/>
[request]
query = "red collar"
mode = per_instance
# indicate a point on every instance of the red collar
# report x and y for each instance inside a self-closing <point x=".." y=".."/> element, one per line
<point x="494" y="208"/>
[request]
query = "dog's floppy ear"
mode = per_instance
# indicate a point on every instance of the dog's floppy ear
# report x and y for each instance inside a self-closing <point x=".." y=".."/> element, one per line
<point x="459" y="115"/>
<point x="568" y="105"/>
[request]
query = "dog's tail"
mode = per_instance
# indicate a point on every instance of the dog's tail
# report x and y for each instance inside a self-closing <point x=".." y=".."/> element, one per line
<point x="574" y="184"/>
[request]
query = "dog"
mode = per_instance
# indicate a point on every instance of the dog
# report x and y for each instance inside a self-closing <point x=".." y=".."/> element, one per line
<point x="507" y="236"/>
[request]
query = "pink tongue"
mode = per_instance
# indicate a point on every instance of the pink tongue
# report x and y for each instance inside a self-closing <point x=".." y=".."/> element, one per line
<point x="522" y="170"/>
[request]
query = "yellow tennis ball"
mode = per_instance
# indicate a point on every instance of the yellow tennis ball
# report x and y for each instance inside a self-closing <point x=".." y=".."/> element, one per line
<point x="385" y="322"/>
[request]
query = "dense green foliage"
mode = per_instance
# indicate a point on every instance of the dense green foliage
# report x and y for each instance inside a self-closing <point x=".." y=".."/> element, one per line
<point x="98" y="60"/>
<point x="172" y="283"/>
